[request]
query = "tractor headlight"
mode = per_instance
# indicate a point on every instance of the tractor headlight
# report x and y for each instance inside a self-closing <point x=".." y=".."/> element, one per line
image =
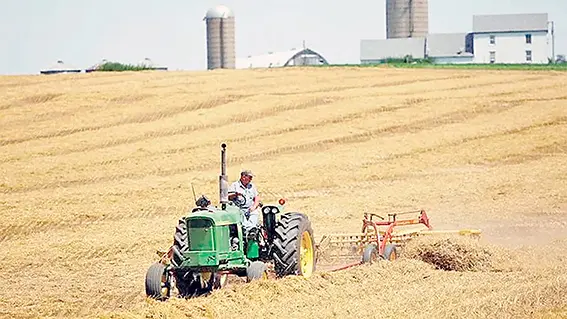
<point x="274" y="210"/>
<point x="266" y="210"/>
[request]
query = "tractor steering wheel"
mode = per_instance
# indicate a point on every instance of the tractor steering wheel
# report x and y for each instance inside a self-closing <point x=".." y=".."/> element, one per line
<point x="239" y="200"/>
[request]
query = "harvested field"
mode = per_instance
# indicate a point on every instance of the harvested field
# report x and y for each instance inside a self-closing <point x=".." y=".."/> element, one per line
<point x="97" y="168"/>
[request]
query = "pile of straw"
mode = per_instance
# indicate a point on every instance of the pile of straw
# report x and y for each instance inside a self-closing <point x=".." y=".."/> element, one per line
<point x="452" y="253"/>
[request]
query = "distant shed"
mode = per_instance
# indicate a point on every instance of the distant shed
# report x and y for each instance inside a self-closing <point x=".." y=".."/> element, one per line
<point x="293" y="57"/>
<point x="96" y="66"/>
<point x="444" y="48"/>
<point x="148" y="63"/>
<point x="60" y="67"/>
<point x="380" y="50"/>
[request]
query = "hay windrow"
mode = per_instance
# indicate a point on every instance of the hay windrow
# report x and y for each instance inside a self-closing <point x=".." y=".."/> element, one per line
<point x="451" y="253"/>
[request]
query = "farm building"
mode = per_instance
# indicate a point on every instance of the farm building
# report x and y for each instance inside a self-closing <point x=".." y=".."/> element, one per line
<point x="96" y="66"/>
<point x="148" y="63"/>
<point x="281" y="59"/>
<point x="60" y="67"/>
<point x="509" y="38"/>
<point x="378" y="51"/>
<point x="441" y="48"/>
<point x="444" y="48"/>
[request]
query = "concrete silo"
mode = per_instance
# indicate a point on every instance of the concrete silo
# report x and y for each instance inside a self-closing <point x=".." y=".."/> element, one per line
<point x="221" y="51"/>
<point x="407" y="18"/>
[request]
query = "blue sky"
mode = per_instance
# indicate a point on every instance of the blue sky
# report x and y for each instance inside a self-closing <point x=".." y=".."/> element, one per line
<point x="37" y="33"/>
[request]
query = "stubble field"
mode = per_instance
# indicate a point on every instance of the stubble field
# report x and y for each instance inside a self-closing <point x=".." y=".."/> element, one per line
<point x="96" y="170"/>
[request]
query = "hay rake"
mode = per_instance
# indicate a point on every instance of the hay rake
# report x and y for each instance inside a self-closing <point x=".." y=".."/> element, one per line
<point x="386" y="236"/>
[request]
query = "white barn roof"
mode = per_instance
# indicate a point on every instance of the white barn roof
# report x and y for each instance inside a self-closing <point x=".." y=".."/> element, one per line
<point x="278" y="59"/>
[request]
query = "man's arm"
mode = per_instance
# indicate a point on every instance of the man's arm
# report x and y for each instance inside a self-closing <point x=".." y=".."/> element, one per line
<point x="232" y="196"/>
<point x="232" y="188"/>
<point x="256" y="203"/>
<point x="256" y="200"/>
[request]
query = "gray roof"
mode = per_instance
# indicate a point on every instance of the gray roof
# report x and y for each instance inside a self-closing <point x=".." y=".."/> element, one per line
<point x="447" y="45"/>
<point x="392" y="48"/>
<point x="510" y="22"/>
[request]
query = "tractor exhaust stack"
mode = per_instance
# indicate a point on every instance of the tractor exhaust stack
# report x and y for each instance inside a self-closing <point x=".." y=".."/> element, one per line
<point x="223" y="179"/>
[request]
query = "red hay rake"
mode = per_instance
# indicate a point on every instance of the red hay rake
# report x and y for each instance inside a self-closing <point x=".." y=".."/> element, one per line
<point x="354" y="248"/>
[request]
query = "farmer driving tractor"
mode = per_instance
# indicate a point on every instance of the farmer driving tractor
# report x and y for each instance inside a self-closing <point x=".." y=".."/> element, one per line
<point x="245" y="195"/>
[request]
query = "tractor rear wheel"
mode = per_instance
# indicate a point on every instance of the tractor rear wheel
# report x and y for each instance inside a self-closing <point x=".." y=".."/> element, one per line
<point x="180" y="243"/>
<point x="294" y="247"/>
<point x="158" y="282"/>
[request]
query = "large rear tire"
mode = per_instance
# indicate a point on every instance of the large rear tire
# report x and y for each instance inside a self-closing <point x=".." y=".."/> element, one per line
<point x="180" y="243"/>
<point x="294" y="247"/>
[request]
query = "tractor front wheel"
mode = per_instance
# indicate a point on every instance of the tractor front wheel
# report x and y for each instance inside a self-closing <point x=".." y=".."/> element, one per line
<point x="158" y="282"/>
<point x="294" y="247"/>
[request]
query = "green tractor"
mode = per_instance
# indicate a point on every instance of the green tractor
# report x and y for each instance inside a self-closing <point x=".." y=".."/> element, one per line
<point x="210" y="243"/>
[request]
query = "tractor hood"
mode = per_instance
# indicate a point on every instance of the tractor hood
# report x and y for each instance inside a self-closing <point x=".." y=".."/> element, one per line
<point x="219" y="217"/>
<point x="210" y="234"/>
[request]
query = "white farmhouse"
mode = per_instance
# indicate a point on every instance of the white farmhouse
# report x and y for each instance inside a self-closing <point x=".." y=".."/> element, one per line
<point x="511" y="38"/>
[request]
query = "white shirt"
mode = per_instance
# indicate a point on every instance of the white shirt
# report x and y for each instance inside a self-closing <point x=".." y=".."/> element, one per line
<point x="249" y="192"/>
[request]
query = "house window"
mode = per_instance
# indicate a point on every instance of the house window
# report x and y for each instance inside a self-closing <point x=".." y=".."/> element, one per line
<point x="528" y="38"/>
<point x="528" y="55"/>
<point x="492" y="57"/>
<point x="492" y="39"/>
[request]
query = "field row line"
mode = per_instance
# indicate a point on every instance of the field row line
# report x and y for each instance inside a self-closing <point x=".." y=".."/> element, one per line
<point x="16" y="231"/>
<point x="153" y="116"/>
<point x="324" y="144"/>
<point x="138" y="119"/>
<point x="241" y="118"/>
